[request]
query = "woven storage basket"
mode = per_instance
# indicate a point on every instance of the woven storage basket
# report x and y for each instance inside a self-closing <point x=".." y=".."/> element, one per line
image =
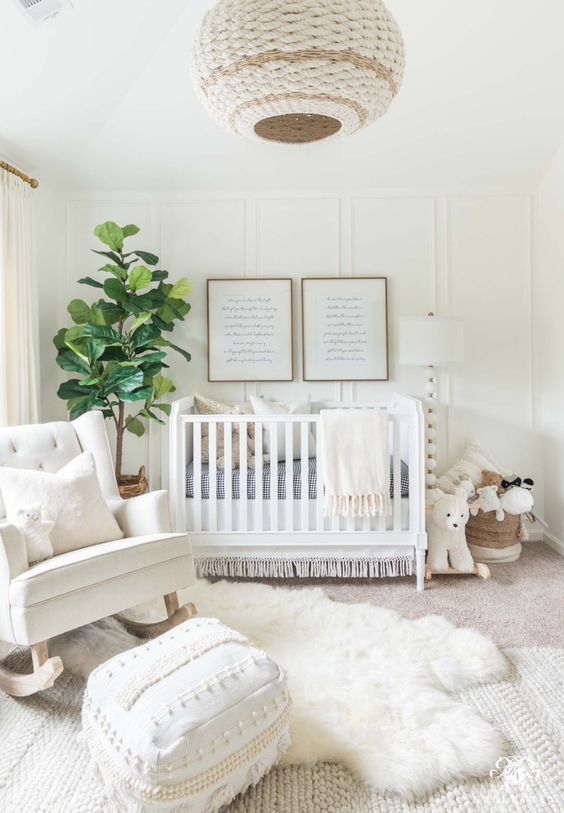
<point x="487" y="532"/>
<point x="132" y="485"/>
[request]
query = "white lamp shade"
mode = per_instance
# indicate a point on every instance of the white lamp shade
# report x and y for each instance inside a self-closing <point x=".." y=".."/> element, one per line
<point x="435" y="340"/>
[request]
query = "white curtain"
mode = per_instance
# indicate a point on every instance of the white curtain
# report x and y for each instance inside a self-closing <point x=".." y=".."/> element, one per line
<point x="18" y="372"/>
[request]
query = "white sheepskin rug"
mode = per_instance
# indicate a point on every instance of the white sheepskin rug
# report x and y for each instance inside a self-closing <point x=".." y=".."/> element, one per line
<point x="370" y="689"/>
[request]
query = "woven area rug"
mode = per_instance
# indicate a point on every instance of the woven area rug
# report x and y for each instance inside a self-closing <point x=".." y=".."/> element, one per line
<point x="44" y="769"/>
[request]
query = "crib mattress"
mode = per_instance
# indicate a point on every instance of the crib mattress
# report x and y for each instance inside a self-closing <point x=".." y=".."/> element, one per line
<point x="296" y="481"/>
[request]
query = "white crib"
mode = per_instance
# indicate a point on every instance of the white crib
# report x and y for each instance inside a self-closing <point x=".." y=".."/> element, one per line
<point x="279" y="530"/>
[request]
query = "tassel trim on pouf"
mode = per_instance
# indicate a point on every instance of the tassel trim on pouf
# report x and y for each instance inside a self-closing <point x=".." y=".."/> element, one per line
<point x="288" y="567"/>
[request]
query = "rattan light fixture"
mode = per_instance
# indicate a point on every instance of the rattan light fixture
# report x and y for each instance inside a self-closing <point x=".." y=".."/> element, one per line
<point x="294" y="71"/>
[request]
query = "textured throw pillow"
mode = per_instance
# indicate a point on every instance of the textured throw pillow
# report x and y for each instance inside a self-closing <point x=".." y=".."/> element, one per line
<point x="265" y="408"/>
<point x="469" y="467"/>
<point x="71" y="498"/>
<point x="209" y="406"/>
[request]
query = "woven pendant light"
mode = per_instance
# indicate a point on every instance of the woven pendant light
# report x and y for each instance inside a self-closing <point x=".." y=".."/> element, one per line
<point x="297" y="71"/>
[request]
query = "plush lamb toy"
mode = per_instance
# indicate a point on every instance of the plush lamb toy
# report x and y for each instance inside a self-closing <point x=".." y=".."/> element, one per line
<point x="488" y="500"/>
<point x="516" y="500"/>
<point x="36" y="532"/>
<point x="447" y="516"/>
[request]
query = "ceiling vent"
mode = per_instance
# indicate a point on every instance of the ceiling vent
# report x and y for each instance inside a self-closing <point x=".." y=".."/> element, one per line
<point x="39" y="11"/>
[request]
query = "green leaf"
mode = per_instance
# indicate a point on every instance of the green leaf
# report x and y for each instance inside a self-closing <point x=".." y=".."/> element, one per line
<point x="161" y="324"/>
<point x="162" y="385"/>
<point x="115" y="290"/>
<point x="157" y="356"/>
<point x="77" y="351"/>
<point x="69" y="361"/>
<point x="119" y="273"/>
<point x="139" y="277"/>
<point x="130" y="230"/>
<point x="71" y="389"/>
<point x="81" y="406"/>
<point x="110" y="234"/>
<point x="146" y="335"/>
<point x="112" y="312"/>
<point x="89" y="281"/>
<point x="79" y="311"/>
<point x="166" y="408"/>
<point x="108" y="334"/>
<point x="59" y="338"/>
<point x="123" y="378"/>
<point x="146" y="256"/>
<point x="111" y="256"/>
<point x="159" y="275"/>
<point x="140" y="320"/>
<point x="97" y="316"/>
<point x="135" y="426"/>
<point x="137" y="395"/>
<point x="180" y="289"/>
<point x="182" y="352"/>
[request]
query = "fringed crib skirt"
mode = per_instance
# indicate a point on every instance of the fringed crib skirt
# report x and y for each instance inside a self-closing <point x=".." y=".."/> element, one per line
<point x="303" y="567"/>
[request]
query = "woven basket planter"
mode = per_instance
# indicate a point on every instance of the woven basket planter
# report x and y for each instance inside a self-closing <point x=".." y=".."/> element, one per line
<point x="493" y="541"/>
<point x="294" y="71"/>
<point x="132" y="485"/>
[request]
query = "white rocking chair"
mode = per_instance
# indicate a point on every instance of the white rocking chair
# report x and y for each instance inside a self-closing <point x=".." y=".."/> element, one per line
<point x="76" y="588"/>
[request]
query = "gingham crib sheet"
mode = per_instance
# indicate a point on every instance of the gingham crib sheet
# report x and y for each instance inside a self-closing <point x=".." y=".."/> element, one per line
<point x="296" y="477"/>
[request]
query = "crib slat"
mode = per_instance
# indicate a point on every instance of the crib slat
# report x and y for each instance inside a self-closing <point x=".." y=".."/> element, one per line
<point x="414" y="476"/>
<point x="243" y="476"/>
<point x="397" y="474"/>
<point x="273" y="476"/>
<point x="320" y="481"/>
<point x="289" y="430"/>
<point x="258" y="476"/>
<point x="197" y="468"/>
<point x="212" y="469"/>
<point x="227" y="474"/>
<point x="304" y="465"/>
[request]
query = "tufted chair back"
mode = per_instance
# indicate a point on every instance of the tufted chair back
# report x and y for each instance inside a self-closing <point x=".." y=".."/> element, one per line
<point x="50" y="446"/>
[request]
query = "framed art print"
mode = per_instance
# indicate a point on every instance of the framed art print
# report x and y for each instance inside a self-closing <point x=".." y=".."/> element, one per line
<point x="250" y="330"/>
<point x="345" y="328"/>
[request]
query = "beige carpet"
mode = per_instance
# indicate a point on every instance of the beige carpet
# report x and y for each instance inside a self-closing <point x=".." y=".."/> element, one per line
<point x="44" y="769"/>
<point x="521" y="605"/>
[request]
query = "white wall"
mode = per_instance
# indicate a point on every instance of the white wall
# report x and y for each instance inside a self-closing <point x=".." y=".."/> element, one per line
<point x="462" y="255"/>
<point x="548" y="313"/>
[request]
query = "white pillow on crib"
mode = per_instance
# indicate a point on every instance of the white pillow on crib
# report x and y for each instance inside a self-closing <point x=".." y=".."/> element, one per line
<point x="265" y="408"/>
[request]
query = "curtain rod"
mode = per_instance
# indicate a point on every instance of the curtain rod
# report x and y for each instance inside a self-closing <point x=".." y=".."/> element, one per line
<point x="9" y="168"/>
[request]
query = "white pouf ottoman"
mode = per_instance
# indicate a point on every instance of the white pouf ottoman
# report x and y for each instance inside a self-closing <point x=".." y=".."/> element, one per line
<point x="186" y="721"/>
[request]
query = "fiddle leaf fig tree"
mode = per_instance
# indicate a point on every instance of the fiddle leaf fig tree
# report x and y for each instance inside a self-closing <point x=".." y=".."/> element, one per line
<point x="118" y="346"/>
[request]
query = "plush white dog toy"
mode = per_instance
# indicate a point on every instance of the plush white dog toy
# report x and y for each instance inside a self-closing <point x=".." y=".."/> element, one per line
<point x="36" y="532"/>
<point x="487" y="501"/>
<point x="447" y="515"/>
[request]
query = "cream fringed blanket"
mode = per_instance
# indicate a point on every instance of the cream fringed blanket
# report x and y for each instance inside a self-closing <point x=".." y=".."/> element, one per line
<point x="356" y="467"/>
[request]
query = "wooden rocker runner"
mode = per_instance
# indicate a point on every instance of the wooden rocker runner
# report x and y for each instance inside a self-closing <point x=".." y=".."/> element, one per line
<point x="480" y="570"/>
<point x="175" y="615"/>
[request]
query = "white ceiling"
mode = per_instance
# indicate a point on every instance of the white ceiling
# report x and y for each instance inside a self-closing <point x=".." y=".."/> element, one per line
<point x="101" y="98"/>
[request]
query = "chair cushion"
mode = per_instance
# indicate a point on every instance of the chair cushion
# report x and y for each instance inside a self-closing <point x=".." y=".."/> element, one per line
<point x="43" y="447"/>
<point x="81" y="568"/>
<point x="187" y="720"/>
<point x="71" y="498"/>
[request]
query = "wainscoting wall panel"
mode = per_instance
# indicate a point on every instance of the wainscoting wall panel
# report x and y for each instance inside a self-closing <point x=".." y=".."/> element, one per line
<point x="461" y="255"/>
